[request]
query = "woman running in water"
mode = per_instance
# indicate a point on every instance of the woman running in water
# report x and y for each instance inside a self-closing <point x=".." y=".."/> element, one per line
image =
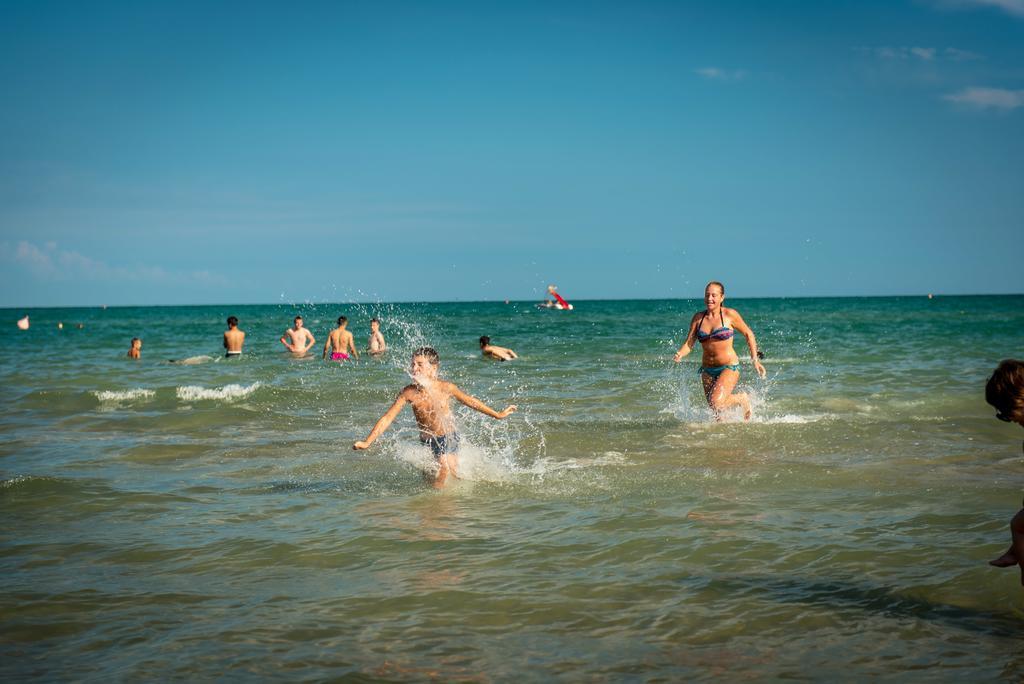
<point x="720" y="369"/>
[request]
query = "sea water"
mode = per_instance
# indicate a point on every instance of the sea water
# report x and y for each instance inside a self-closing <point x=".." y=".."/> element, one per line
<point x="208" y="519"/>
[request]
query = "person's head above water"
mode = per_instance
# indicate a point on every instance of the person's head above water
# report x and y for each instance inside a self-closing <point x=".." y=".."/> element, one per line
<point x="714" y="294"/>
<point x="425" y="362"/>
<point x="232" y="321"/>
<point x="298" y="322"/>
<point x="374" y="323"/>
<point x="342" y="320"/>
<point x="485" y="340"/>
<point x="1005" y="391"/>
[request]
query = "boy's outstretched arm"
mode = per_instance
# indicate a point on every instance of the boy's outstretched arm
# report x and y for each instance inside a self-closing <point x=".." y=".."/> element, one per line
<point x="384" y="422"/>
<point x="477" y="405"/>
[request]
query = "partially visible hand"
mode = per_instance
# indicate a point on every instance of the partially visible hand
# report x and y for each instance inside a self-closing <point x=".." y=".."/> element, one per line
<point x="360" y="445"/>
<point x="760" y="369"/>
<point x="509" y="410"/>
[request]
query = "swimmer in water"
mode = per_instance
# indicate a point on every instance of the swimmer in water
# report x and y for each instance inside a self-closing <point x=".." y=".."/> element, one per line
<point x="298" y="340"/>
<point x="135" y="352"/>
<point x="234" y="339"/>
<point x="431" y="406"/>
<point x="340" y="342"/>
<point x="720" y="369"/>
<point x="376" y="345"/>
<point x="1005" y="391"/>
<point x="493" y="351"/>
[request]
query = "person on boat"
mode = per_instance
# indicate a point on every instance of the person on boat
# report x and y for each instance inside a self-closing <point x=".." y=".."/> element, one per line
<point x="714" y="328"/>
<point x="558" y="302"/>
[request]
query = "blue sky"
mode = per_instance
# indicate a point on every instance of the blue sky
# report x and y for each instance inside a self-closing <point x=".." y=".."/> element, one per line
<point x="180" y="152"/>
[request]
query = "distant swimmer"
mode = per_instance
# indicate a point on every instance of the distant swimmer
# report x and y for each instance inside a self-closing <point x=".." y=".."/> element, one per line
<point x="493" y="351"/>
<point x="376" y="346"/>
<point x="135" y="352"/>
<point x="558" y="302"/>
<point x="1005" y="391"/>
<point x="23" y="323"/>
<point x="298" y="340"/>
<point x="340" y="342"/>
<point x="431" y="406"/>
<point x="234" y="339"/>
<point x="720" y="368"/>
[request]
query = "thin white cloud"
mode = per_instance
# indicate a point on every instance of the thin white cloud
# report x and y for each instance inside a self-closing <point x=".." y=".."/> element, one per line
<point x="957" y="55"/>
<point x="1013" y="7"/>
<point x="49" y="263"/>
<point x="924" y="54"/>
<point x="718" y="74"/>
<point x="987" y="98"/>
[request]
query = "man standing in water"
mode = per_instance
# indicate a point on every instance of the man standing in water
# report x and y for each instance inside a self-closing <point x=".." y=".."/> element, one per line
<point x="135" y="352"/>
<point x="298" y="340"/>
<point x="431" y="406"/>
<point x="376" y="346"/>
<point x="233" y="339"/>
<point x="340" y="342"/>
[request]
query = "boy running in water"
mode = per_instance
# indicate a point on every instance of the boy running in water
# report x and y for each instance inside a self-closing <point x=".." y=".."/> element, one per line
<point x="431" y="406"/>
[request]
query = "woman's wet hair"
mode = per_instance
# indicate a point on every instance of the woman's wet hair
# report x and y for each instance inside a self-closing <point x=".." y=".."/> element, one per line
<point x="721" y="287"/>
<point x="232" y="320"/>
<point x="1005" y="390"/>
<point x="342" y="319"/>
<point x="484" y="341"/>
<point x="430" y="353"/>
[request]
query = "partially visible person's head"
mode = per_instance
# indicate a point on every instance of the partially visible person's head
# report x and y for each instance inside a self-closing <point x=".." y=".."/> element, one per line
<point x="232" y="321"/>
<point x="136" y="343"/>
<point x="485" y="340"/>
<point x="342" y="320"/>
<point x="1005" y="391"/>
<point x="374" y="324"/>
<point x="425" y="362"/>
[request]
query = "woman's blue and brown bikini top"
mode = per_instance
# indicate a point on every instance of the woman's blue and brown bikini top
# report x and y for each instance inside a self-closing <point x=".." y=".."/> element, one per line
<point x="718" y="334"/>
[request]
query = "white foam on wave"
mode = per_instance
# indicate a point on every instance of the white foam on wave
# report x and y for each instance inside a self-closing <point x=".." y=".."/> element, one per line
<point x="194" y="360"/>
<point x="790" y="418"/>
<point x="227" y="393"/>
<point x="124" y="395"/>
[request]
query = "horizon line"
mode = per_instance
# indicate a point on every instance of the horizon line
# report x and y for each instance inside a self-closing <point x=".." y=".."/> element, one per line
<point x="508" y="301"/>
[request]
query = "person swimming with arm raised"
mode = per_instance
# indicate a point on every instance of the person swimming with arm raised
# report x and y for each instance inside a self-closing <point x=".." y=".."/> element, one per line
<point x="431" y="398"/>
<point x="493" y="351"/>
<point x="719" y="369"/>
<point x="298" y="340"/>
<point x="340" y="342"/>
<point x="234" y="339"/>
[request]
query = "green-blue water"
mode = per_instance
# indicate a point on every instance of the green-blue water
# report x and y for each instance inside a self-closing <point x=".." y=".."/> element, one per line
<point x="210" y="520"/>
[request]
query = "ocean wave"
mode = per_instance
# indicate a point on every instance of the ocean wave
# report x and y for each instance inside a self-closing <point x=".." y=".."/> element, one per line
<point x="228" y="392"/>
<point x="124" y="395"/>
